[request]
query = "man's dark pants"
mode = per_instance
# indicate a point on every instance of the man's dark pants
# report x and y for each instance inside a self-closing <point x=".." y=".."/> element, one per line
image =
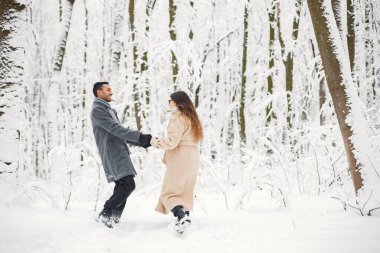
<point x="114" y="206"/>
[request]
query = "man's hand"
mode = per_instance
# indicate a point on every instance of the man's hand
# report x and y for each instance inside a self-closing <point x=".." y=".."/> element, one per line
<point x="145" y="140"/>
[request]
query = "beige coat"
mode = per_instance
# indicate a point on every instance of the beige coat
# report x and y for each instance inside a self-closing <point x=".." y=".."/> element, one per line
<point x="182" y="163"/>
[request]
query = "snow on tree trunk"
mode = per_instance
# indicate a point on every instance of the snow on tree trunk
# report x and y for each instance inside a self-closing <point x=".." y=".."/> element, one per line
<point x="57" y="77"/>
<point x="272" y="20"/>
<point x="353" y="125"/>
<point x="288" y="57"/>
<point x="173" y="37"/>
<point x="116" y="44"/>
<point x="61" y="46"/>
<point x="136" y="97"/>
<point x="351" y="32"/>
<point x="12" y="30"/>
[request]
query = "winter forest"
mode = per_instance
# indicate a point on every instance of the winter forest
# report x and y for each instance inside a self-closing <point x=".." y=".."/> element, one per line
<point x="288" y="93"/>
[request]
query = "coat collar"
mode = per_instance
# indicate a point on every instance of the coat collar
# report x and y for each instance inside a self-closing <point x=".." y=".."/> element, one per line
<point x="100" y="101"/>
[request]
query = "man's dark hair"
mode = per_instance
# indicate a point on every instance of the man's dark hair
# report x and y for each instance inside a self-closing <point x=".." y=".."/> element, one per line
<point x="97" y="86"/>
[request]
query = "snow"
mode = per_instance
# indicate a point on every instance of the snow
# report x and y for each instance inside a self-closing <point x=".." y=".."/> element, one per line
<point x="311" y="224"/>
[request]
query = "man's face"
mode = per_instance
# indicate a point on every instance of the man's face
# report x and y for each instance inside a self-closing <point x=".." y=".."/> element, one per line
<point x="105" y="93"/>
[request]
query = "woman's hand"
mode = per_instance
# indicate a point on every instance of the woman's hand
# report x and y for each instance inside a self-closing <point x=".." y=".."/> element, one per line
<point x="155" y="141"/>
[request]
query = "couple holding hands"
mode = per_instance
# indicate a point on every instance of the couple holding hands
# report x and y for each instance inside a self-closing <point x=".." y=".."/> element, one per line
<point x="181" y="156"/>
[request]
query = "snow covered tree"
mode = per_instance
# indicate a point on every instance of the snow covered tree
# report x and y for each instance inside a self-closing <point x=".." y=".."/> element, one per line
<point x="288" y="57"/>
<point x="173" y="37"/>
<point x="243" y="75"/>
<point x="351" y="120"/>
<point x="12" y="27"/>
<point x="272" y="24"/>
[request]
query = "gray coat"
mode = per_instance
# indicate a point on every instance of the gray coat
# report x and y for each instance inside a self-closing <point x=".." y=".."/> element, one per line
<point x="111" y="138"/>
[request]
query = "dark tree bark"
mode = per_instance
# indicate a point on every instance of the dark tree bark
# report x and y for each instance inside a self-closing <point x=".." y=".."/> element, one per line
<point x="61" y="47"/>
<point x="351" y="32"/>
<point x="322" y="85"/>
<point x="288" y="59"/>
<point x="336" y="5"/>
<point x="173" y="37"/>
<point x="136" y="97"/>
<point x="148" y="12"/>
<point x="334" y="80"/>
<point x="243" y="75"/>
<point x="272" y="15"/>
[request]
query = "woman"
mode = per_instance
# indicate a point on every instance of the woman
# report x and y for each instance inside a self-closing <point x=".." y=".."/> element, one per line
<point x="181" y="158"/>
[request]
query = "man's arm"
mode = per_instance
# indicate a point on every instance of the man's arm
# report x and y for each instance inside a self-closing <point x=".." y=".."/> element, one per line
<point x="138" y="144"/>
<point x="102" y="118"/>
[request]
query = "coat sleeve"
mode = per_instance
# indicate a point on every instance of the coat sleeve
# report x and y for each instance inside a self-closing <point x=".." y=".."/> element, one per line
<point x="102" y="119"/>
<point x="176" y="128"/>
<point x="133" y="143"/>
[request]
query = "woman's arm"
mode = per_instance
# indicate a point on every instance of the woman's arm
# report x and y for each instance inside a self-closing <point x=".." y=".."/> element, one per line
<point x="176" y="129"/>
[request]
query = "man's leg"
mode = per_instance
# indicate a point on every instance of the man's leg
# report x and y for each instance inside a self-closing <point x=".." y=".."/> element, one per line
<point x="123" y="188"/>
<point x="117" y="212"/>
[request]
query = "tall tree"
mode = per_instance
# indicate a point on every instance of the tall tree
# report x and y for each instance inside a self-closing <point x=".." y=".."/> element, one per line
<point x="191" y="81"/>
<point x="338" y="10"/>
<point x="148" y="13"/>
<point x="136" y="97"/>
<point x="144" y="61"/>
<point x="116" y="43"/>
<point x="272" y="19"/>
<point x="341" y="89"/>
<point x="173" y="37"/>
<point x="12" y="22"/>
<point x="55" y="88"/>
<point x="351" y="32"/>
<point x="322" y="83"/>
<point x="243" y="74"/>
<point x="61" y="47"/>
<point x="85" y="66"/>
<point x="288" y="55"/>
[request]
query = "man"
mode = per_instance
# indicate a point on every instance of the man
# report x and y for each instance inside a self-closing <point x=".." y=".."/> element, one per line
<point x="112" y="138"/>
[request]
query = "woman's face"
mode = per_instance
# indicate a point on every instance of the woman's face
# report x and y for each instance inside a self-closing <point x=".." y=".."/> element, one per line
<point x="172" y="104"/>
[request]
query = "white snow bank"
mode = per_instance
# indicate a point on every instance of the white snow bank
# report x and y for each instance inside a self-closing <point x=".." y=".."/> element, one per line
<point x="315" y="224"/>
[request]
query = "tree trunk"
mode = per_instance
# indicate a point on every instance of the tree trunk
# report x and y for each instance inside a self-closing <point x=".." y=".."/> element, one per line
<point x="333" y="72"/>
<point x="336" y="5"/>
<point x="173" y="37"/>
<point x="243" y="75"/>
<point x="288" y="59"/>
<point x="55" y="89"/>
<point x="84" y="91"/>
<point x="371" y="40"/>
<point x="191" y="80"/>
<point x="144" y="61"/>
<point x="148" y="12"/>
<point x="11" y="72"/>
<point x="269" y="111"/>
<point x="61" y="47"/>
<point x="351" y="32"/>
<point x="116" y="43"/>
<point x="136" y="97"/>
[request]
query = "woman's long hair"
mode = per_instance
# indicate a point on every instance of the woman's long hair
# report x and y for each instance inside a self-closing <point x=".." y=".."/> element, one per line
<point x="186" y="107"/>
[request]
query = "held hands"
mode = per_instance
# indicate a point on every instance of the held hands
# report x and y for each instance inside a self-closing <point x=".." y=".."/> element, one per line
<point x="145" y="140"/>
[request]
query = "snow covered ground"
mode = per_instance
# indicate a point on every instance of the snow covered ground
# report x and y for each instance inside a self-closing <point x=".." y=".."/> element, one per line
<point x="311" y="224"/>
